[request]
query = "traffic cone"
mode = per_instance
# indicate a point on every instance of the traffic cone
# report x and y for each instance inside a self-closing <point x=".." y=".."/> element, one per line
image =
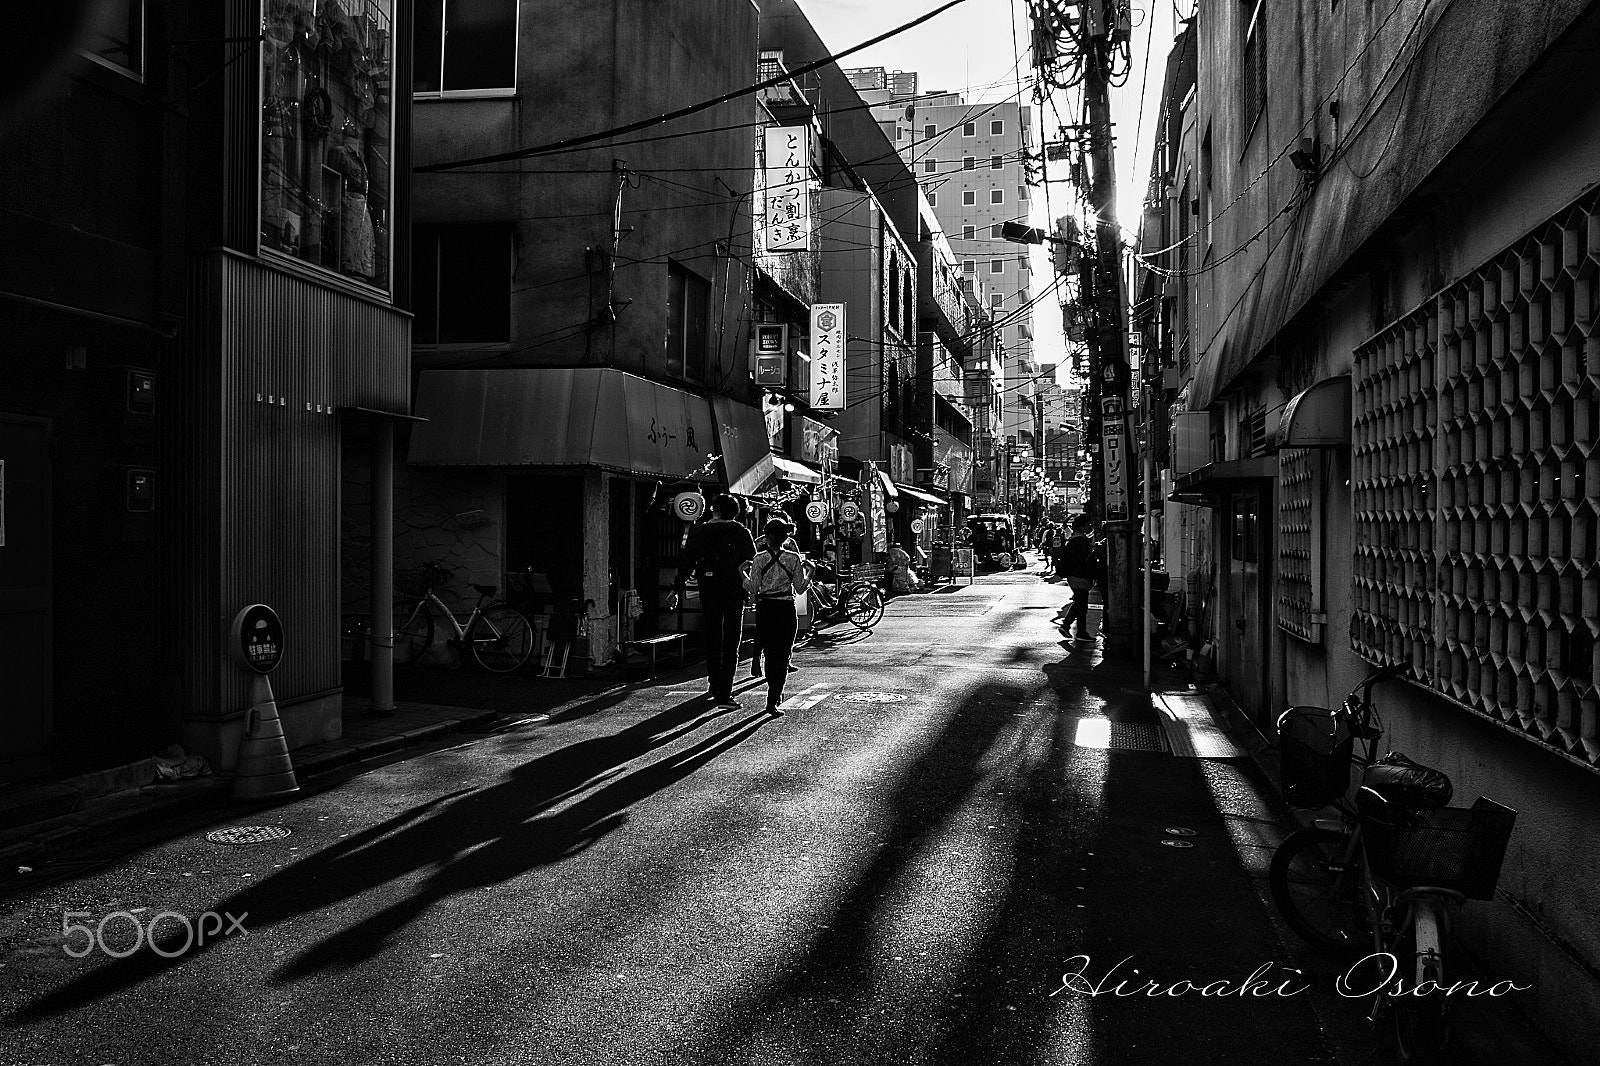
<point x="264" y="770"/>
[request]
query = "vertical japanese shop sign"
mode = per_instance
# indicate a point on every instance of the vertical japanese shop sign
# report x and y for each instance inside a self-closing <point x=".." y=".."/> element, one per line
<point x="827" y="357"/>
<point x="788" y="180"/>
<point x="1113" y="438"/>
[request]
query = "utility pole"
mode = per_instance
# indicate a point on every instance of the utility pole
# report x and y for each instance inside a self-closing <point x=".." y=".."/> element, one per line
<point x="1107" y="334"/>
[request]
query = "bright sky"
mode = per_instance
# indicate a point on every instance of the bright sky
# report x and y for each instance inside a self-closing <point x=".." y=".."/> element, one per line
<point x="971" y="48"/>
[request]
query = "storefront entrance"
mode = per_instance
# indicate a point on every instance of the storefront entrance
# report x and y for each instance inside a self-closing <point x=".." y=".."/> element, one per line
<point x="1248" y="651"/>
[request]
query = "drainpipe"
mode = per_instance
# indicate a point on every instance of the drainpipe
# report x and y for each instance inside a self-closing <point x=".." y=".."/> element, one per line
<point x="382" y="577"/>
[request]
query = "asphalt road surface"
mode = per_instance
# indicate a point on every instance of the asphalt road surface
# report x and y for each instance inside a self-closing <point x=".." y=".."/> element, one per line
<point x="955" y="811"/>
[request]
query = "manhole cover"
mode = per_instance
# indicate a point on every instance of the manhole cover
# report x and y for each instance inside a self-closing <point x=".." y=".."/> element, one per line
<point x="248" y="834"/>
<point x="872" y="697"/>
<point x="1179" y="831"/>
<point x="1178" y="843"/>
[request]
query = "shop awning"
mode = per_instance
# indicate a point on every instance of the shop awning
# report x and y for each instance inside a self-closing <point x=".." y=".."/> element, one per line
<point x="589" y="416"/>
<point x="923" y="497"/>
<point x="1319" y="417"/>
<point x="764" y="475"/>
<point x="799" y="473"/>
<point x="1207" y="485"/>
<point x="743" y="444"/>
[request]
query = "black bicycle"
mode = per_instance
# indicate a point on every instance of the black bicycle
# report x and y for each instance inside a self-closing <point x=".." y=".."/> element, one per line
<point x="1387" y="873"/>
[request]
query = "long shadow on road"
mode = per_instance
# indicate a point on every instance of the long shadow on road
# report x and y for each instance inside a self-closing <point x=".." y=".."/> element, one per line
<point x="473" y="838"/>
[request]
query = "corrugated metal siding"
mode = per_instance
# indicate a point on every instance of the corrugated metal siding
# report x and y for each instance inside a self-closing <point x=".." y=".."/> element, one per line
<point x="188" y="427"/>
<point x="292" y="352"/>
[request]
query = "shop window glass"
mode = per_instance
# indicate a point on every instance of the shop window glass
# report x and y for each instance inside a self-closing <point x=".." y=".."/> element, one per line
<point x="688" y="312"/>
<point x="465" y="46"/>
<point x="115" y="35"/>
<point x="461" y="284"/>
<point x="326" y="135"/>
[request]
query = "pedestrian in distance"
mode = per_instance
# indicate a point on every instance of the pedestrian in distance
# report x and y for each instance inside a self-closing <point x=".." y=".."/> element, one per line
<point x="774" y="577"/>
<point x="715" y="552"/>
<point x="1083" y="563"/>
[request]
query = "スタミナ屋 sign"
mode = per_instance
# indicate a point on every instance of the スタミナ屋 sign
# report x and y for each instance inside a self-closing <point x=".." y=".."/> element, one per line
<point x="827" y="357"/>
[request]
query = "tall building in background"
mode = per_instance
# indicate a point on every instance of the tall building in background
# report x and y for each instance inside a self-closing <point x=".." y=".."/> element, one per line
<point x="970" y="160"/>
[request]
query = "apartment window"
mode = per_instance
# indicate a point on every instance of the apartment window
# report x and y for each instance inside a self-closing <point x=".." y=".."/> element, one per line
<point x="997" y="266"/>
<point x="930" y="131"/>
<point x="325" y="146"/>
<point x="1022" y="194"/>
<point x="969" y="129"/>
<point x="461" y="284"/>
<point x="688" y="323"/>
<point x="933" y="198"/>
<point x="899" y="133"/>
<point x="997" y="127"/>
<point x="969" y="162"/>
<point x="463" y="46"/>
<point x="115" y="36"/>
<point x="930" y="166"/>
<point x="969" y="266"/>
<point x="996" y="162"/>
<point x="997" y="196"/>
<point x="996" y="299"/>
<point x="1205" y="190"/>
<point x="1253" y="82"/>
<point x="969" y="197"/>
<point x="969" y="233"/>
<point x="994" y="232"/>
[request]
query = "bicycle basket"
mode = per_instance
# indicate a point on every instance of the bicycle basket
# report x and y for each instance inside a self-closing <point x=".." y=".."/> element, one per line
<point x="413" y="582"/>
<point x="1314" y="755"/>
<point x="1459" y="848"/>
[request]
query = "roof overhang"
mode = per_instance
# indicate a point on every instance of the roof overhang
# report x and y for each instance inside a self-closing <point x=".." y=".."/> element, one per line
<point x="1207" y="485"/>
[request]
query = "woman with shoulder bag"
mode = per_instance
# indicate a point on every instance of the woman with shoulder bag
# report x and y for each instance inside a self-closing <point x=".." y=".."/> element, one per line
<point x="773" y="578"/>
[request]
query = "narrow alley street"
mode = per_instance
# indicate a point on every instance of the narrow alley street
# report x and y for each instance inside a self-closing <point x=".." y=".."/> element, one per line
<point x="901" y="868"/>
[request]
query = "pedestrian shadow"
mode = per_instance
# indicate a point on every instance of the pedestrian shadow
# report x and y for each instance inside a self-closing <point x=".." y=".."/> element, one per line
<point x="471" y="838"/>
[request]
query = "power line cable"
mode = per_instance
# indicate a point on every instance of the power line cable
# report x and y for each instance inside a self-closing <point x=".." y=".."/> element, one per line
<point x="691" y="109"/>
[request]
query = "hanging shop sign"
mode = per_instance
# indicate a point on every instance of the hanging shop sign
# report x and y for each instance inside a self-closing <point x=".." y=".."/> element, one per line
<point x="827" y="357"/>
<point x="256" y="639"/>
<point x="849" y="512"/>
<point x="787" y="227"/>
<point x="918" y="525"/>
<point x="689" y="506"/>
<point x="772" y="354"/>
<point x="817" y="511"/>
<point x="1114" y="458"/>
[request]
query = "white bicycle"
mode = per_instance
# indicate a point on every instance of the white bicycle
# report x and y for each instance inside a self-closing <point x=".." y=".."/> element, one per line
<point x="500" y="636"/>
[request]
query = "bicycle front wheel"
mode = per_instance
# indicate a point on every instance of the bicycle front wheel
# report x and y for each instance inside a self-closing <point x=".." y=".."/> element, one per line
<point x="413" y="632"/>
<point x="863" y="605"/>
<point x="501" y="639"/>
<point x="1317" y="889"/>
<point x="1416" y="1022"/>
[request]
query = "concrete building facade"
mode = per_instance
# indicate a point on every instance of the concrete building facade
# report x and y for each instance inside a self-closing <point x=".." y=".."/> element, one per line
<point x="1377" y="313"/>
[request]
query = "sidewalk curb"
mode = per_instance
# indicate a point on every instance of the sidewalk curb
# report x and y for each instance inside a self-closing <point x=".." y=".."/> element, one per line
<point x="157" y="801"/>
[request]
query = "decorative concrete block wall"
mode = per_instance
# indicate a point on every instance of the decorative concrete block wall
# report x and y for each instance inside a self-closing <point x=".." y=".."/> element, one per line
<point x="1477" y="488"/>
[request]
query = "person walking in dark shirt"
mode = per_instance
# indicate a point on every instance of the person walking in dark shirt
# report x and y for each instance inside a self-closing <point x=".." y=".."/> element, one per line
<point x="1083" y="563"/>
<point x="715" y="553"/>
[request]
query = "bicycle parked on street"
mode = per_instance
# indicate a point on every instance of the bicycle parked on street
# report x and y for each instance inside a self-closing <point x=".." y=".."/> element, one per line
<point x="499" y="635"/>
<point x="1386" y="875"/>
<point x="859" y="602"/>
